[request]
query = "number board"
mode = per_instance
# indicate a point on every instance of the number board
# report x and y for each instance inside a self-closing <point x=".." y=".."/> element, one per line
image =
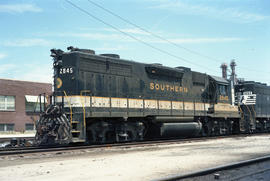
<point x="66" y="70"/>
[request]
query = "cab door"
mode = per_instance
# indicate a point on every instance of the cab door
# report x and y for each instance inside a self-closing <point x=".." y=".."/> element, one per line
<point x="212" y="87"/>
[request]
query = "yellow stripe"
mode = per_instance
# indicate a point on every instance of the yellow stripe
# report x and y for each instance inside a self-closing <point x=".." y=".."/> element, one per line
<point x="154" y="104"/>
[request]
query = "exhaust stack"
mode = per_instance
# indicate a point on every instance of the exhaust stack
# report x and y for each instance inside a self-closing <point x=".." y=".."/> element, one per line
<point x="224" y="70"/>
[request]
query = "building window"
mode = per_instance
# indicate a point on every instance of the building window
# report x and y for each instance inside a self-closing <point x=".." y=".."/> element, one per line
<point x="7" y="103"/>
<point x="32" y="103"/>
<point x="29" y="127"/>
<point x="6" y="127"/>
<point x="2" y="127"/>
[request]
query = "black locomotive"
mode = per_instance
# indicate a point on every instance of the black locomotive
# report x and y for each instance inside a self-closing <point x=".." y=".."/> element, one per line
<point x="104" y="99"/>
<point x="253" y="99"/>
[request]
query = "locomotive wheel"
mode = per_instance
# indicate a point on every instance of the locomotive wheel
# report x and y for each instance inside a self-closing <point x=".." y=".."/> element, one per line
<point x="126" y="135"/>
<point x="206" y="128"/>
<point x="109" y="132"/>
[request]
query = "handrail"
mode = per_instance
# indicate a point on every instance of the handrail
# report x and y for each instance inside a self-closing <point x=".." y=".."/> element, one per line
<point x="249" y="111"/>
<point x="70" y="108"/>
<point x="254" y="112"/>
<point x="242" y="117"/>
<point x="36" y="103"/>
<point x="38" y="100"/>
<point x="46" y="104"/>
<point x="83" y="91"/>
<point x="241" y="111"/>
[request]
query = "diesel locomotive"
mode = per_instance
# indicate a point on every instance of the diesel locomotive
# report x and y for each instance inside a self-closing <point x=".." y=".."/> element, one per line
<point x="105" y="99"/>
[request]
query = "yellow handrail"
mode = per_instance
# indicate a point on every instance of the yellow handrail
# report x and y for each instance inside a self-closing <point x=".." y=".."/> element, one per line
<point x="83" y="91"/>
<point x="46" y="104"/>
<point x="70" y="108"/>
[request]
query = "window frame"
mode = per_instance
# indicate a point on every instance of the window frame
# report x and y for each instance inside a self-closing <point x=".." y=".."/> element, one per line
<point x="25" y="126"/>
<point x="34" y="106"/>
<point x="6" y="103"/>
<point x="6" y="126"/>
<point x="224" y="88"/>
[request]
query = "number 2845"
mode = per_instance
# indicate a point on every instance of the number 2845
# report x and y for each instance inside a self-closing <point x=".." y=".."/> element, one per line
<point x="68" y="70"/>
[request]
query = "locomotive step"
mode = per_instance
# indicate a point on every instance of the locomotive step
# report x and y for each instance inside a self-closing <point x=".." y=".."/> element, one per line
<point x="75" y="131"/>
<point x="77" y="140"/>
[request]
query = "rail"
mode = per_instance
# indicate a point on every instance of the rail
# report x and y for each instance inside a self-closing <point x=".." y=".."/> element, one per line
<point x="28" y="150"/>
<point x="216" y="169"/>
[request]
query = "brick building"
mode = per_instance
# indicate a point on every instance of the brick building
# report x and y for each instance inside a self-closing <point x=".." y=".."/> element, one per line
<point x="19" y="104"/>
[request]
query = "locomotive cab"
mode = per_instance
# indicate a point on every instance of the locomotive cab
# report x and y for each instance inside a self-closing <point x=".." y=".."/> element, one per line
<point x="218" y="90"/>
<point x="220" y="98"/>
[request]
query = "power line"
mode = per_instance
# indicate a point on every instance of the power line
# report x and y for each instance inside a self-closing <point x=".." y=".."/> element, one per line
<point x="153" y="34"/>
<point x="257" y="71"/>
<point x="133" y="37"/>
<point x="161" y="38"/>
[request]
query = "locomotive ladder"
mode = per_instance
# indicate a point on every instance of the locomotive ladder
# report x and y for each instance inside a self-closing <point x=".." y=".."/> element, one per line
<point x="248" y="119"/>
<point x="242" y="120"/>
<point x="76" y="124"/>
<point x="251" y="118"/>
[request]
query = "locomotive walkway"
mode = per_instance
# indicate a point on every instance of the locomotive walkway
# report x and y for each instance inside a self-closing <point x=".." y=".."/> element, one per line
<point x="134" y="163"/>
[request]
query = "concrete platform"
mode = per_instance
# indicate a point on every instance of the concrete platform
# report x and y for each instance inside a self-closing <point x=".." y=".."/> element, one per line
<point x="143" y="163"/>
<point x="6" y="137"/>
<point x="17" y="135"/>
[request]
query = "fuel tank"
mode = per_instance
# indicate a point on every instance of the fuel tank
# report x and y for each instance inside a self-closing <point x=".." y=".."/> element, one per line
<point x="184" y="129"/>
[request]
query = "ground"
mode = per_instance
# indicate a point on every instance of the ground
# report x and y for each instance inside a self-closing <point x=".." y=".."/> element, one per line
<point x="141" y="163"/>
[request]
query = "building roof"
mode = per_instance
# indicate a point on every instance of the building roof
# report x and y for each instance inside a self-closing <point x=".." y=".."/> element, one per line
<point x="4" y="79"/>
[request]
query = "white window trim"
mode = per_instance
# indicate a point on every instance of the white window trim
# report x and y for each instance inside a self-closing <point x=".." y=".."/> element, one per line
<point x="35" y="99"/>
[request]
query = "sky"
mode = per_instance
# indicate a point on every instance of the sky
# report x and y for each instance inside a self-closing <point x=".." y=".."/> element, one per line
<point x="199" y="34"/>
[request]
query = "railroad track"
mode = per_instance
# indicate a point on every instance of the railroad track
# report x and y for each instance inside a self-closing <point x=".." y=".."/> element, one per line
<point x="236" y="165"/>
<point x="29" y="150"/>
<point x="21" y="138"/>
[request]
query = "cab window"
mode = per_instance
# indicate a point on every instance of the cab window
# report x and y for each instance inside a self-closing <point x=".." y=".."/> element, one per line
<point x="222" y="90"/>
